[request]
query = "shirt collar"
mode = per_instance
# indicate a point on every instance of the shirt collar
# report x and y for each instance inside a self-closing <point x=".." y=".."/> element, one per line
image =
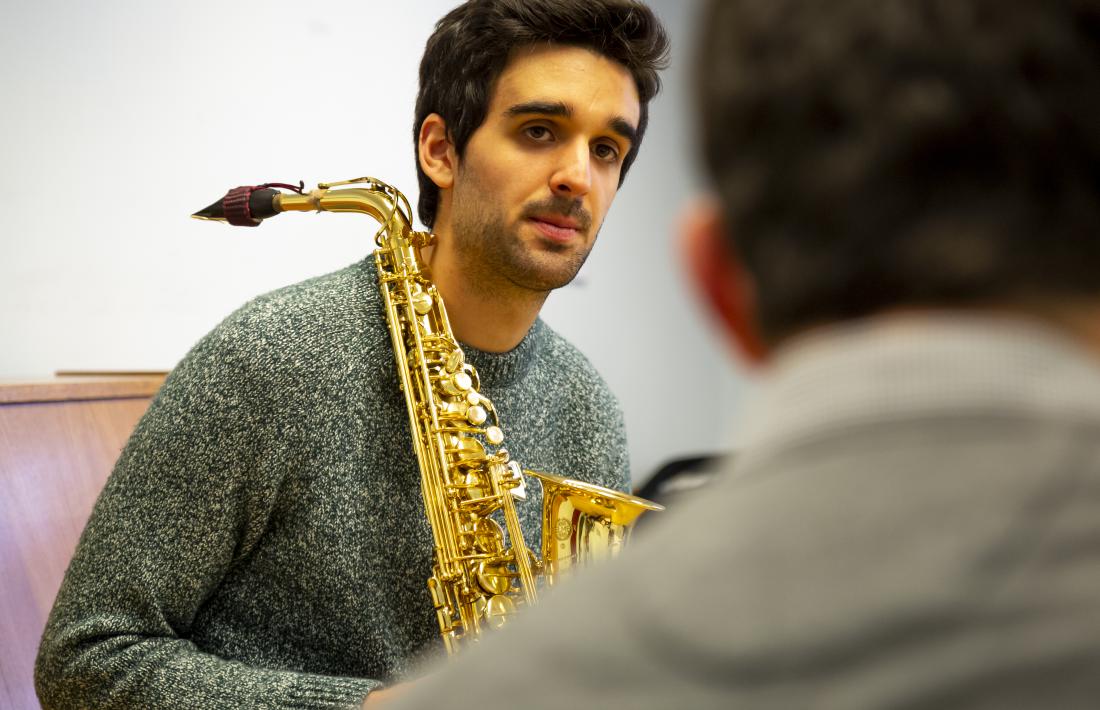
<point x="898" y="367"/>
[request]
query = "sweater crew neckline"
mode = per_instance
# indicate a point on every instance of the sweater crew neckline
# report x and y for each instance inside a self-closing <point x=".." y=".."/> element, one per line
<point x="507" y="367"/>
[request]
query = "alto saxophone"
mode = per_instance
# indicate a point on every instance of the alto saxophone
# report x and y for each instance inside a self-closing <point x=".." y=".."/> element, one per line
<point x="482" y="573"/>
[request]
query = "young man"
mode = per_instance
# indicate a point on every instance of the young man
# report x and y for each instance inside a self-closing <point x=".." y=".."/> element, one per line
<point x="262" y="540"/>
<point x="904" y="238"/>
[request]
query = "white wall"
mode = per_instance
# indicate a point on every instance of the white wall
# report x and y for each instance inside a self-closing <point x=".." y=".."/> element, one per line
<point x="122" y="117"/>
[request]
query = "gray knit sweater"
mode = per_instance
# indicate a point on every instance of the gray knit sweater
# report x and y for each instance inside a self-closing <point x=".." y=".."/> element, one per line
<point x="261" y="542"/>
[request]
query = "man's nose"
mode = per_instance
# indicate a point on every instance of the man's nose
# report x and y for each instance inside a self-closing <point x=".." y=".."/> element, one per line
<point x="573" y="175"/>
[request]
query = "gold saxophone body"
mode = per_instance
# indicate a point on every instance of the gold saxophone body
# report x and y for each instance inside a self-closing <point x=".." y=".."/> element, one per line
<point x="482" y="572"/>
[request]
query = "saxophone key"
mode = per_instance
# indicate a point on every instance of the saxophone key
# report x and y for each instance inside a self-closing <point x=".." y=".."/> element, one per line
<point x="476" y="415"/>
<point x="495" y="578"/>
<point x="497" y="611"/>
<point x="457" y="384"/>
<point x="455" y="360"/>
<point x="421" y="300"/>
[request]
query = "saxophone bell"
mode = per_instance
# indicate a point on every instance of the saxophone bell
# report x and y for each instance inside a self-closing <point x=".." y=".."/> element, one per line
<point x="583" y="523"/>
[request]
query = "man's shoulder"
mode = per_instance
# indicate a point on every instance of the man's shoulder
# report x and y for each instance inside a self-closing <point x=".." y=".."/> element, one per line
<point x="306" y="325"/>
<point x="329" y="297"/>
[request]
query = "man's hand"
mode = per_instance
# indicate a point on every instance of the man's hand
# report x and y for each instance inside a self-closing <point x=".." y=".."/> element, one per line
<point x="378" y="698"/>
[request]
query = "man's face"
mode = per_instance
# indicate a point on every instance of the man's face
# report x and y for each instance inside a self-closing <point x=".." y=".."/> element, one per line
<point x="539" y="174"/>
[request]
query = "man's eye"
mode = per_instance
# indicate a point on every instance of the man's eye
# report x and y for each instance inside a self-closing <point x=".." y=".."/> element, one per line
<point x="538" y="133"/>
<point x="606" y="152"/>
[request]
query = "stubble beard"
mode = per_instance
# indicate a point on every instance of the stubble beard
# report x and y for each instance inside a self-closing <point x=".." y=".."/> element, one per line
<point x="497" y="260"/>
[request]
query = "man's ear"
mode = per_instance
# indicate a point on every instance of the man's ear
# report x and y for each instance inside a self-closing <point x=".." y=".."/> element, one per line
<point x="436" y="152"/>
<point x="726" y="288"/>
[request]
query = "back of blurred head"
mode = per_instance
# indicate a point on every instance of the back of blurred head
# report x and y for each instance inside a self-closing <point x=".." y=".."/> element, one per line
<point x="875" y="155"/>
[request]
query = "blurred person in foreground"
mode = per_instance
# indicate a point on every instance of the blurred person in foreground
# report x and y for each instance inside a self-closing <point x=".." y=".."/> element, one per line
<point x="904" y="237"/>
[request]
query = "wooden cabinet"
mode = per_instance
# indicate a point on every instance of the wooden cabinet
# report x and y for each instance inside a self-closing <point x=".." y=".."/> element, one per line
<point x="59" y="439"/>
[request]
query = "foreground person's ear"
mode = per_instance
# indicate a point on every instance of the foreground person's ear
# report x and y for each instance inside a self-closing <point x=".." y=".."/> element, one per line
<point x="726" y="289"/>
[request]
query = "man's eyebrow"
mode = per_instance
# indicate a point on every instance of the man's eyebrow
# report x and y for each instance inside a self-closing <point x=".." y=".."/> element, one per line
<point x="618" y="124"/>
<point x="623" y="127"/>
<point x="545" y="108"/>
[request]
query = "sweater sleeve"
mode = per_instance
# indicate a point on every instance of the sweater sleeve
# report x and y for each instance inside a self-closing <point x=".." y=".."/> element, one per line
<point x="190" y="494"/>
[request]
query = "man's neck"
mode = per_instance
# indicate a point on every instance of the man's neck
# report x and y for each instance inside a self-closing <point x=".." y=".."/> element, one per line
<point x="489" y="317"/>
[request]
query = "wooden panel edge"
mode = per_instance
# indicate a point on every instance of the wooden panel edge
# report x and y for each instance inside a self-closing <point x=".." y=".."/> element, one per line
<point x="80" y="387"/>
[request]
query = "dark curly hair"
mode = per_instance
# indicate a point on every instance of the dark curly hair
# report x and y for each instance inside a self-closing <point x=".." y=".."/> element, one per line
<point x="471" y="46"/>
<point x="879" y="153"/>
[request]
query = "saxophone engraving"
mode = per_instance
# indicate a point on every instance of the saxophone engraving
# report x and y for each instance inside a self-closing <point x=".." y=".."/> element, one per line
<point x="482" y="572"/>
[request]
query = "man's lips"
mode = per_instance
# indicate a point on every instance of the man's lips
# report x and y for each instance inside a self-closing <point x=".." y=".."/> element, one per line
<point x="557" y="227"/>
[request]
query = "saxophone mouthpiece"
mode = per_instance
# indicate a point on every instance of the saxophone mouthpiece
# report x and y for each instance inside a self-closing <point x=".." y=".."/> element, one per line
<point x="248" y="205"/>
